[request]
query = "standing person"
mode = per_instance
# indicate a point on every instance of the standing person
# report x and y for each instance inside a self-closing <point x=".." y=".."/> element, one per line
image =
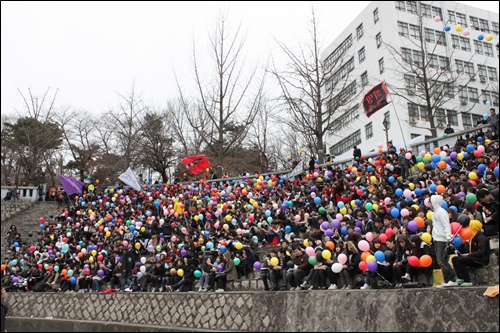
<point x="311" y="165"/>
<point x="448" y="129"/>
<point x="40" y="192"/>
<point x="493" y="119"/>
<point x="356" y="153"/>
<point x="441" y="232"/>
<point x="403" y="164"/>
<point x="15" y="196"/>
<point x="4" y="310"/>
<point x="127" y="269"/>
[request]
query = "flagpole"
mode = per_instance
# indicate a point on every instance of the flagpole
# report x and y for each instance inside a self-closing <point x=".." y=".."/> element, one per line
<point x="397" y="117"/>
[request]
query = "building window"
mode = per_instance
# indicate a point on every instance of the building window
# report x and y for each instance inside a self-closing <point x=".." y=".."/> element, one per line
<point x="460" y="42"/>
<point x="345" y="145"/>
<point x="403" y="29"/>
<point x="410" y="84"/>
<point x="494" y="26"/>
<point x="411" y="7"/>
<point x="492" y="74"/>
<point x="440" y="116"/>
<point x="473" y="94"/>
<point x="488" y="49"/>
<point x="415" y="31"/>
<point x="474" y="22"/>
<point x="429" y="35"/>
<point x="483" y="74"/>
<point x="452" y="117"/>
<point x="466" y="120"/>
<point x="369" y="130"/>
<point x="451" y="17"/>
<point x="484" y="25"/>
<point x="379" y="40"/>
<point x="461" y="19"/>
<point x="343" y="97"/>
<point x="464" y="67"/>
<point x="343" y="71"/>
<point x="412" y="57"/>
<point x="426" y="10"/>
<point x="490" y="96"/>
<point x="478" y="46"/>
<point x="331" y="60"/>
<point x="436" y="11"/>
<point x="418" y="112"/>
<point x="463" y="95"/>
<point x="362" y="55"/>
<point x="387" y="119"/>
<point x="345" y="119"/>
<point x="401" y="5"/>
<point x="381" y="66"/>
<point x="359" y="31"/>
<point x="375" y="16"/>
<point x="364" y="79"/>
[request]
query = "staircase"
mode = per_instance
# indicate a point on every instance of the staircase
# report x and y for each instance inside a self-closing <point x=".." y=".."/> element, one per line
<point x="25" y="218"/>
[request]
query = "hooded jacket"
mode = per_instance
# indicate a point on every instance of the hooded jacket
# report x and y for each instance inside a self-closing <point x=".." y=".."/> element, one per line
<point x="441" y="229"/>
<point x="479" y="244"/>
<point x="230" y="268"/>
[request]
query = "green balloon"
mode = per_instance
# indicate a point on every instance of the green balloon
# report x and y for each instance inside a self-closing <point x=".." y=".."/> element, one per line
<point x="321" y="210"/>
<point x="471" y="198"/>
<point x="259" y="225"/>
<point x="289" y="204"/>
<point x="369" y="206"/>
<point x="445" y="135"/>
<point x="237" y="261"/>
<point x="197" y="274"/>
<point x="203" y="248"/>
<point x="312" y="260"/>
<point x="269" y="219"/>
<point x="419" y="159"/>
<point x="158" y="248"/>
<point x="56" y="268"/>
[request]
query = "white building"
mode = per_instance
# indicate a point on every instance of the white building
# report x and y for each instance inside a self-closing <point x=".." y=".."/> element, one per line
<point x="366" y="47"/>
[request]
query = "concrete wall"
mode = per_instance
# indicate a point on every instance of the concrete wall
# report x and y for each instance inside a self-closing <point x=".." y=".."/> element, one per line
<point x="411" y="310"/>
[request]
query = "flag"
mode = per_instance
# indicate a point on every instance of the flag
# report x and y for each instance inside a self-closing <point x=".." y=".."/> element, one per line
<point x="299" y="168"/>
<point x="71" y="185"/>
<point x="196" y="164"/>
<point x="128" y="178"/>
<point x="375" y="99"/>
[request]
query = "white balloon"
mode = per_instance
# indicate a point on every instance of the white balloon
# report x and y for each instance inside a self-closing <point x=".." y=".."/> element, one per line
<point x="143" y="269"/>
<point x="83" y="250"/>
<point x="143" y="260"/>
<point x="162" y="221"/>
<point x="337" y="268"/>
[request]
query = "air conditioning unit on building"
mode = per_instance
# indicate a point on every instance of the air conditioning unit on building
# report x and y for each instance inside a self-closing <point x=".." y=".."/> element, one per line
<point x="413" y="121"/>
<point x="483" y="79"/>
<point x="463" y="101"/>
<point x="472" y="77"/>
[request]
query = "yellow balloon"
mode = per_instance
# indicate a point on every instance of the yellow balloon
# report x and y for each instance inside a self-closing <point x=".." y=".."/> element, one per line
<point x="343" y="211"/>
<point x="302" y="150"/>
<point x="427" y="157"/>
<point x="354" y="170"/>
<point x="288" y="253"/>
<point x="228" y="218"/>
<point x="429" y="215"/>
<point x="172" y="271"/>
<point x="94" y="253"/>
<point x="489" y="38"/>
<point x="416" y="207"/>
<point x="458" y="28"/>
<point x="421" y="165"/>
<point x="274" y="261"/>
<point x="180" y="272"/>
<point x="238" y="246"/>
<point x="488" y="141"/>
<point x="358" y="178"/>
<point x="326" y="254"/>
<point x="319" y="180"/>
<point x="137" y="246"/>
<point x="370" y="258"/>
<point x="306" y="243"/>
<point x="108" y="234"/>
<point x="426" y="237"/>
<point x="91" y="259"/>
<point x="373" y="179"/>
<point x="472" y="175"/>
<point x="353" y="204"/>
<point x="143" y="229"/>
<point x="196" y="218"/>
<point x="460" y="156"/>
<point x="201" y="241"/>
<point x="412" y="186"/>
<point x="375" y="207"/>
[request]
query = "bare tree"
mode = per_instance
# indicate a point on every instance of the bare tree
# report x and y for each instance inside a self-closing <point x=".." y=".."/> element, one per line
<point x="314" y="90"/>
<point x="427" y="81"/>
<point x="224" y="101"/>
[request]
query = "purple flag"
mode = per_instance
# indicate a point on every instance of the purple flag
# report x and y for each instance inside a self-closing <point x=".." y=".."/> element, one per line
<point x="71" y="185"/>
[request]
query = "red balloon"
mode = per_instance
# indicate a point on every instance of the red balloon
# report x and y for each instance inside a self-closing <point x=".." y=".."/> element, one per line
<point x="100" y="257"/>
<point x="478" y="153"/>
<point x="363" y="265"/>
<point x="359" y="192"/>
<point x="389" y="232"/>
<point x="414" y="261"/>
<point x="455" y="226"/>
<point x="51" y="268"/>
<point x="383" y="237"/>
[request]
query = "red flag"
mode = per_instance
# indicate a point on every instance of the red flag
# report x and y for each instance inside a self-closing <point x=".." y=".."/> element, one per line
<point x="196" y="164"/>
<point x="375" y="99"/>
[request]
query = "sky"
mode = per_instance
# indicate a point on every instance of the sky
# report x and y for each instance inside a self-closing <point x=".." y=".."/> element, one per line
<point x="92" y="51"/>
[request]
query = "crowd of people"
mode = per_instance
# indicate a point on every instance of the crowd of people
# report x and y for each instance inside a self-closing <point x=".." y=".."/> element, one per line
<point x="390" y="217"/>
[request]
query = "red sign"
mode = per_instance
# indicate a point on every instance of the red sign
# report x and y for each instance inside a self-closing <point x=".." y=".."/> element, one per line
<point x="375" y="99"/>
<point x="196" y="164"/>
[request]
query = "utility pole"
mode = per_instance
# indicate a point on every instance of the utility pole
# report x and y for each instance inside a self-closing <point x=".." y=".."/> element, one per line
<point x="386" y="130"/>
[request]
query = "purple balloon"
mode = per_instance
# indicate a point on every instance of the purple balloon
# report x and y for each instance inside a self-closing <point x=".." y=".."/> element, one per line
<point x="329" y="174"/>
<point x="454" y="155"/>
<point x="220" y="268"/>
<point x="325" y="225"/>
<point x="358" y="230"/>
<point x="95" y="247"/>
<point x="284" y="206"/>
<point x="257" y="265"/>
<point x="336" y="223"/>
<point x="161" y="235"/>
<point x="329" y="232"/>
<point x="412" y="226"/>
<point x="118" y="259"/>
<point x="354" y="163"/>
<point x="15" y="279"/>
<point x="359" y="223"/>
<point x="461" y="194"/>
<point x="100" y="273"/>
<point x="372" y="266"/>
<point x="313" y="188"/>
<point x="183" y="253"/>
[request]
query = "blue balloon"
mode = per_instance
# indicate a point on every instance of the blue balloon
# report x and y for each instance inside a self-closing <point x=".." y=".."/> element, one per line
<point x="432" y="188"/>
<point x="444" y="205"/>
<point x="139" y="206"/>
<point x="454" y="208"/>
<point x="317" y="200"/>
<point x="42" y="226"/>
<point x="418" y="192"/>
<point x="391" y="179"/>
<point x="157" y="204"/>
<point x="200" y="216"/>
<point x="394" y="212"/>
<point x="481" y="168"/>
<point x="73" y="280"/>
<point x="380" y="256"/>
<point x="447" y="28"/>
<point x="496" y="171"/>
<point x="480" y="37"/>
<point x="479" y="139"/>
<point x="107" y="204"/>
<point x="268" y="212"/>
<point x="340" y="204"/>
<point x="148" y="213"/>
<point x="343" y="230"/>
<point x="358" y="202"/>
<point x="470" y="147"/>
<point x="369" y="168"/>
<point x="398" y="205"/>
<point x="399" y="192"/>
<point x="436" y="158"/>
<point x="465" y="155"/>
<point x="222" y="249"/>
<point x="456" y="241"/>
<point x="288" y="228"/>
<point x="16" y="244"/>
<point x="132" y="228"/>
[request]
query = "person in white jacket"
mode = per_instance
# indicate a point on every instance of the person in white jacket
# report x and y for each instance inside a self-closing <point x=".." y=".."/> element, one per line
<point x="441" y="233"/>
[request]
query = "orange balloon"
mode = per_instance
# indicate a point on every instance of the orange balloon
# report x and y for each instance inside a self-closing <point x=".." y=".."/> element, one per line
<point x="425" y="260"/>
<point x="440" y="188"/>
<point x="101" y="228"/>
<point x="437" y="150"/>
<point x="64" y="272"/>
<point x="80" y="255"/>
<point x="97" y="181"/>
<point x="420" y="221"/>
<point x="4" y="267"/>
<point x="442" y="165"/>
<point x="465" y="233"/>
<point x="330" y="245"/>
<point x="364" y="255"/>
<point x="76" y="197"/>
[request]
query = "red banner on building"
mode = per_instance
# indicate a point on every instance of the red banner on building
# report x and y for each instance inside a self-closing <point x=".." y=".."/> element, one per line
<point x="196" y="164"/>
<point x="375" y="99"/>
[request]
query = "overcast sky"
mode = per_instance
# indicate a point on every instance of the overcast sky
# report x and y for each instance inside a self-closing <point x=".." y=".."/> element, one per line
<point x="91" y="51"/>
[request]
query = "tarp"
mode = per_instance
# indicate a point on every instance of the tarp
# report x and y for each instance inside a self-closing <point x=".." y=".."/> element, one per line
<point x="71" y="185"/>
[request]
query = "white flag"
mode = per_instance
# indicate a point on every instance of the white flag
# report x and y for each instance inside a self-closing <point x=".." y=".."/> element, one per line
<point x="128" y="178"/>
<point x="297" y="170"/>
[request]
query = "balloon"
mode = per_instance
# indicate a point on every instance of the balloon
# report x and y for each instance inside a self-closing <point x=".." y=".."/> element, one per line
<point x="326" y="254"/>
<point x="101" y="273"/>
<point x="342" y="258"/>
<point x="413" y="261"/>
<point x="330" y="245"/>
<point x="425" y="260"/>
<point x="463" y="219"/>
<point x="420" y="221"/>
<point x="447" y="28"/>
<point x="458" y="28"/>
<point x="379" y="256"/>
<point x="312" y="260"/>
<point x="429" y="215"/>
<point x="480" y="37"/>
<point x="383" y="238"/>
<point x="363" y="245"/>
<point x="465" y="33"/>
<point x="337" y="267"/>
<point x="143" y="269"/>
<point x="437" y="19"/>
<point x="180" y="272"/>
<point x="405" y="212"/>
<point x="372" y="266"/>
<point x="237" y="261"/>
<point x="363" y="265"/>
<point x="465" y="234"/>
<point x="471" y="198"/>
<point x="389" y="232"/>
<point x="489" y="37"/>
<point x="274" y="261"/>
<point x="197" y="274"/>
<point x="309" y="251"/>
<point x="369" y="236"/>
<point x="395" y="212"/>
<point x="456" y="241"/>
<point x="426" y="237"/>
<point x="257" y="265"/>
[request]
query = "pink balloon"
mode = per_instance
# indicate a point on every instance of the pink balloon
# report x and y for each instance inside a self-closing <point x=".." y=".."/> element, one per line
<point x="369" y="236"/>
<point x="407" y="193"/>
<point x="125" y="243"/>
<point x="387" y="201"/>
<point x="480" y="148"/>
<point x="313" y="195"/>
<point x="437" y="19"/>
<point x="408" y="156"/>
<point x="364" y="245"/>
<point x="173" y="239"/>
<point x="339" y="217"/>
<point x="309" y="251"/>
<point x="466" y="33"/>
<point x="380" y="145"/>
<point x="342" y="258"/>
<point x="297" y="218"/>
<point x="422" y="153"/>
<point x="404" y="212"/>
<point x="427" y="203"/>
